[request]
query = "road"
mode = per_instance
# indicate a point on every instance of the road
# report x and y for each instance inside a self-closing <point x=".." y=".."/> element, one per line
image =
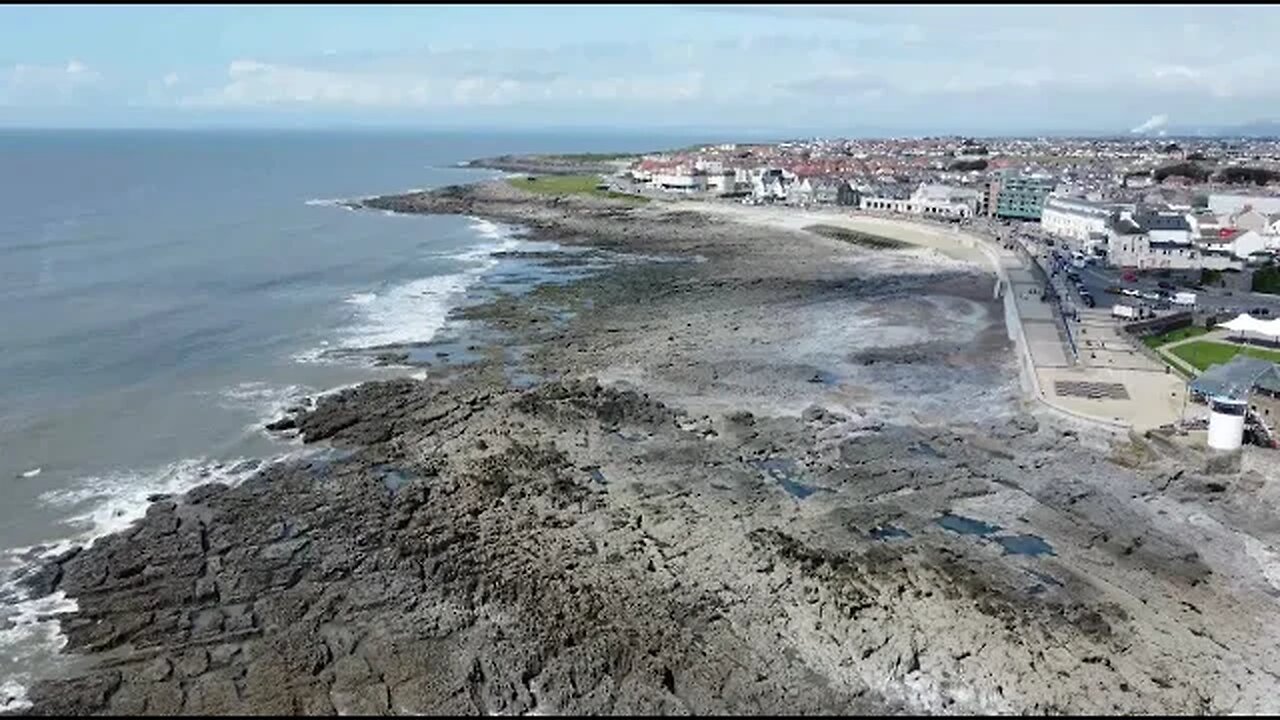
<point x="1097" y="279"/>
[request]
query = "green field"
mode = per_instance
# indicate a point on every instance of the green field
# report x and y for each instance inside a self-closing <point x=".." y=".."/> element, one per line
<point x="1202" y="353"/>
<point x="874" y="242"/>
<point x="593" y="157"/>
<point x="1155" y="341"/>
<point x="571" y="185"/>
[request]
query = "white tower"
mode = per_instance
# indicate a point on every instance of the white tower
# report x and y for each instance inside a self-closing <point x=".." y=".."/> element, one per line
<point x="1226" y="422"/>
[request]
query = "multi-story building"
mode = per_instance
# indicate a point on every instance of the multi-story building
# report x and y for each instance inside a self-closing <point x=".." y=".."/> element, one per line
<point x="1021" y="196"/>
<point x="1164" y="225"/>
<point x="1134" y="240"/>
<point x="1075" y="218"/>
<point x="941" y="201"/>
<point x="1230" y="204"/>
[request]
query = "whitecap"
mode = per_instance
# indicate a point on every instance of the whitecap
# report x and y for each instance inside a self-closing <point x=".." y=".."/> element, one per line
<point x="311" y="356"/>
<point x="416" y="311"/>
<point x="266" y="402"/>
<point x="110" y="503"/>
<point x="32" y="637"/>
<point x="361" y="298"/>
<point x="488" y="229"/>
<point x="408" y="313"/>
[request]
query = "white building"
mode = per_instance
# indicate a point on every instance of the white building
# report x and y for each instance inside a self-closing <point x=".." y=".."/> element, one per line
<point x="1138" y="251"/>
<point x="724" y="182"/>
<point x="681" y="180"/>
<point x="942" y="201"/>
<point x="1224" y="205"/>
<point x="801" y="193"/>
<point x="1075" y="218"/>
<point x="1249" y="218"/>
<point x="1252" y="241"/>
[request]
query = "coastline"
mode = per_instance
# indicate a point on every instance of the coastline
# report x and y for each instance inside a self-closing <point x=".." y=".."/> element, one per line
<point x="579" y="545"/>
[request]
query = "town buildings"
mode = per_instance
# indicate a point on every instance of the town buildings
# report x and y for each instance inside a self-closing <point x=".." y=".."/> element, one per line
<point x="1020" y="196"/>
<point x="1075" y="218"/>
<point x="929" y="200"/>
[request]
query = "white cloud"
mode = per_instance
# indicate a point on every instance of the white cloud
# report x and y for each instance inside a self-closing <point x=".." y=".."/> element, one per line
<point x="26" y="84"/>
<point x="968" y="67"/>
<point x="252" y="83"/>
<point x="1153" y="123"/>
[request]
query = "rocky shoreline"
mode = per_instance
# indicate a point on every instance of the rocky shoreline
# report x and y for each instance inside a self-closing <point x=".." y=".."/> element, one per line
<point x="774" y="474"/>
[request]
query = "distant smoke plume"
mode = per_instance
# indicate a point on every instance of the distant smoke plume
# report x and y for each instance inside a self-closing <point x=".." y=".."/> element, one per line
<point x="1155" y="122"/>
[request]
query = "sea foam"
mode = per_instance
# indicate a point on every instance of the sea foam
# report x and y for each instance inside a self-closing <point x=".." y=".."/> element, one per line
<point x="416" y="311"/>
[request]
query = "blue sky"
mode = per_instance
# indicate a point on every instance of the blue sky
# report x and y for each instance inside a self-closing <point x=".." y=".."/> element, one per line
<point x="820" y="68"/>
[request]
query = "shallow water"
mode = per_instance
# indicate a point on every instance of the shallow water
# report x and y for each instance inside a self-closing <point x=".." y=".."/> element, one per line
<point x="1032" y="545"/>
<point x="967" y="526"/>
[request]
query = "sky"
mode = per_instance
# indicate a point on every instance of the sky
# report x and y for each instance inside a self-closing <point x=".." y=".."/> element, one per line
<point x="822" y="69"/>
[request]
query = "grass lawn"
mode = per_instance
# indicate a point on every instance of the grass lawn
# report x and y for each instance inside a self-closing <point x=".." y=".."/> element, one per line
<point x="593" y="157"/>
<point x="874" y="242"/>
<point x="1155" y="341"/>
<point x="571" y="185"/>
<point x="1203" y="353"/>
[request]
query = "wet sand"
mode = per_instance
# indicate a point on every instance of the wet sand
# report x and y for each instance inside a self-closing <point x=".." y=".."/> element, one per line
<point x="761" y="471"/>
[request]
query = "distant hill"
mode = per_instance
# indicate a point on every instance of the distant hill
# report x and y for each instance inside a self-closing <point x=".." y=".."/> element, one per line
<point x="1255" y="129"/>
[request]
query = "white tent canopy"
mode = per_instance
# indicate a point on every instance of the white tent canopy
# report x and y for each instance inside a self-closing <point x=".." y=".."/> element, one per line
<point x="1245" y="323"/>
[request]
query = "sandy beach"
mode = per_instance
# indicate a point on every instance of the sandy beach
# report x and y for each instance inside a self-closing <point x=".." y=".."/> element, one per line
<point x="745" y="469"/>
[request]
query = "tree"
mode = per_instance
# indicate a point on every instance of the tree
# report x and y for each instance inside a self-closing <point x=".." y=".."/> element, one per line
<point x="1183" y="169"/>
<point x="1243" y="175"/>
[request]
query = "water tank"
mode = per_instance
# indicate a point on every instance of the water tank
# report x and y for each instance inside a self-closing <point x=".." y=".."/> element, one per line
<point x="1226" y="423"/>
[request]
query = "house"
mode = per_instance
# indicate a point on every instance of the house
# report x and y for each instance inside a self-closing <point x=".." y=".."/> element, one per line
<point x="848" y="195"/>
<point x="769" y="185"/>
<point x="1130" y="244"/>
<point x="1218" y="240"/>
<point x="801" y="193"/>
<point x="1248" y="218"/>
<point x="1164" y="226"/>
<point x="1250" y="242"/>
<point x="827" y="192"/>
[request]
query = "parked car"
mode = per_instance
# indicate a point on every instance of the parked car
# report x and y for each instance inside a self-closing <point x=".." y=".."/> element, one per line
<point x="1165" y="284"/>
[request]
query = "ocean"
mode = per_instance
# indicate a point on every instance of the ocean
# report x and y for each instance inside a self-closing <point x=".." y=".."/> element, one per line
<point x="163" y="294"/>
